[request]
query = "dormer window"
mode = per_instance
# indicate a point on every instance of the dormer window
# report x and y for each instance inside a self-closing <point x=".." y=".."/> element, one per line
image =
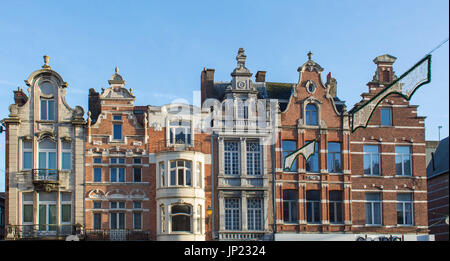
<point x="311" y="114"/>
<point x="180" y="132"/>
<point x="47" y="109"/>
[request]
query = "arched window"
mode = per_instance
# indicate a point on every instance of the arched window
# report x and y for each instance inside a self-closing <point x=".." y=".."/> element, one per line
<point x="311" y="114"/>
<point x="181" y="217"/>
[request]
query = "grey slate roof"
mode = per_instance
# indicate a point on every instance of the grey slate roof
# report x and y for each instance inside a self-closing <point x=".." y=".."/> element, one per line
<point x="440" y="160"/>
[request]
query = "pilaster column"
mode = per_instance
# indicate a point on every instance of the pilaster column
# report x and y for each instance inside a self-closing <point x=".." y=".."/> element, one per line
<point x="244" y="211"/>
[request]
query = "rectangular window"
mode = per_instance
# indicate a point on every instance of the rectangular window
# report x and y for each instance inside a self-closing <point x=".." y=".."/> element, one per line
<point x="117" y="131"/>
<point x="117" y="160"/>
<point x="97" y="174"/>
<point x="117" y="174"/>
<point x="137" y="161"/>
<point x="313" y="206"/>
<point x="117" y="220"/>
<point x="137" y="174"/>
<point x="403" y="161"/>
<point x="231" y="154"/>
<point x="405" y="209"/>
<point x="334" y="157"/>
<point x="137" y="220"/>
<point x="288" y="147"/>
<point x="199" y="174"/>
<point x="97" y="160"/>
<point x="66" y="160"/>
<point x="117" y="204"/>
<point x="137" y="204"/>
<point x="232" y="214"/>
<point x="47" y="110"/>
<point x="253" y="158"/>
<point x="371" y="160"/>
<point x="27" y="213"/>
<point x="66" y="207"/>
<point x="373" y="209"/>
<point x="312" y="164"/>
<point x="386" y="116"/>
<point x="27" y="155"/>
<point x="97" y="221"/>
<point x="97" y="204"/>
<point x="162" y="174"/>
<point x="117" y="117"/>
<point x="335" y="206"/>
<point x="290" y="206"/>
<point x="255" y="213"/>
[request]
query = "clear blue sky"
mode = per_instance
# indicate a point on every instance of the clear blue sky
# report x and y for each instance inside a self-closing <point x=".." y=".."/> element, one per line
<point x="161" y="47"/>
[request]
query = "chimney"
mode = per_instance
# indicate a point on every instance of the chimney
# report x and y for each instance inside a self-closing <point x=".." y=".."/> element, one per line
<point x="20" y="98"/>
<point x="328" y="77"/>
<point x="260" y="76"/>
<point x="385" y="70"/>
<point x="94" y="104"/>
<point x="207" y="84"/>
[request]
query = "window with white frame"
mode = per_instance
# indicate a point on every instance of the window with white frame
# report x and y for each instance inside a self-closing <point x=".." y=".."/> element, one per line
<point x="162" y="174"/>
<point x="199" y="175"/>
<point x="117" y="131"/>
<point x="405" y="209"/>
<point x="117" y="173"/>
<point x="47" y="211"/>
<point x="253" y="158"/>
<point x="47" y="109"/>
<point x="199" y="219"/>
<point x="373" y="209"/>
<point x="403" y="164"/>
<point x="242" y="111"/>
<point x="66" y="156"/>
<point x="232" y="214"/>
<point x="163" y="218"/>
<point x="255" y="213"/>
<point x="180" y="132"/>
<point x="290" y="206"/>
<point x="27" y="208"/>
<point x="137" y="174"/>
<point x="116" y="218"/>
<point x="27" y="155"/>
<point x="66" y="210"/>
<point x="181" y="215"/>
<point x="180" y="173"/>
<point x="311" y="114"/>
<point x="313" y="206"/>
<point x="386" y="116"/>
<point x="371" y="160"/>
<point x="97" y="174"/>
<point x="334" y="157"/>
<point x="335" y="206"/>
<point x="47" y="160"/>
<point x="231" y="154"/>
<point x="137" y="220"/>
<point x="97" y="221"/>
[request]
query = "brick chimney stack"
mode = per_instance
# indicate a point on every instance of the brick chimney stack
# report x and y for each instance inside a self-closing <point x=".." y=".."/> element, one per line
<point x="260" y="76"/>
<point x="207" y="83"/>
<point x="20" y="98"/>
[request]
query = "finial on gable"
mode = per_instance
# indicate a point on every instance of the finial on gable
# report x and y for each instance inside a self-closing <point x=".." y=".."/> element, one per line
<point x="310" y="54"/>
<point x="46" y="60"/>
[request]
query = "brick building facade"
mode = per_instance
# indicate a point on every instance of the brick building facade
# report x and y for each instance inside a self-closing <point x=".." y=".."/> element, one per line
<point x="178" y="172"/>
<point x="119" y="192"/>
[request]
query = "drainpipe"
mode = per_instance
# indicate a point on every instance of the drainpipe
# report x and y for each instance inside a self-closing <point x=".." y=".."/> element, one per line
<point x="273" y="193"/>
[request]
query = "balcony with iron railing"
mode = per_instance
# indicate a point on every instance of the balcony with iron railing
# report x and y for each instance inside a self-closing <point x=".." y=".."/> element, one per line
<point x="41" y="231"/>
<point x="117" y="235"/>
<point x="45" y="179"/>
<point x="242" y="236"/>
<point x="179" y="145"/>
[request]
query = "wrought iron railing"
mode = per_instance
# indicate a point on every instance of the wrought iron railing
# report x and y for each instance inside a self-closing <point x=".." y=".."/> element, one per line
<point x="45" y="175"/>
<point x="37" y="231"/>
<point x="116" y="235"/>
<point x="179" y="145"/>
<point x="241" y="236"/>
